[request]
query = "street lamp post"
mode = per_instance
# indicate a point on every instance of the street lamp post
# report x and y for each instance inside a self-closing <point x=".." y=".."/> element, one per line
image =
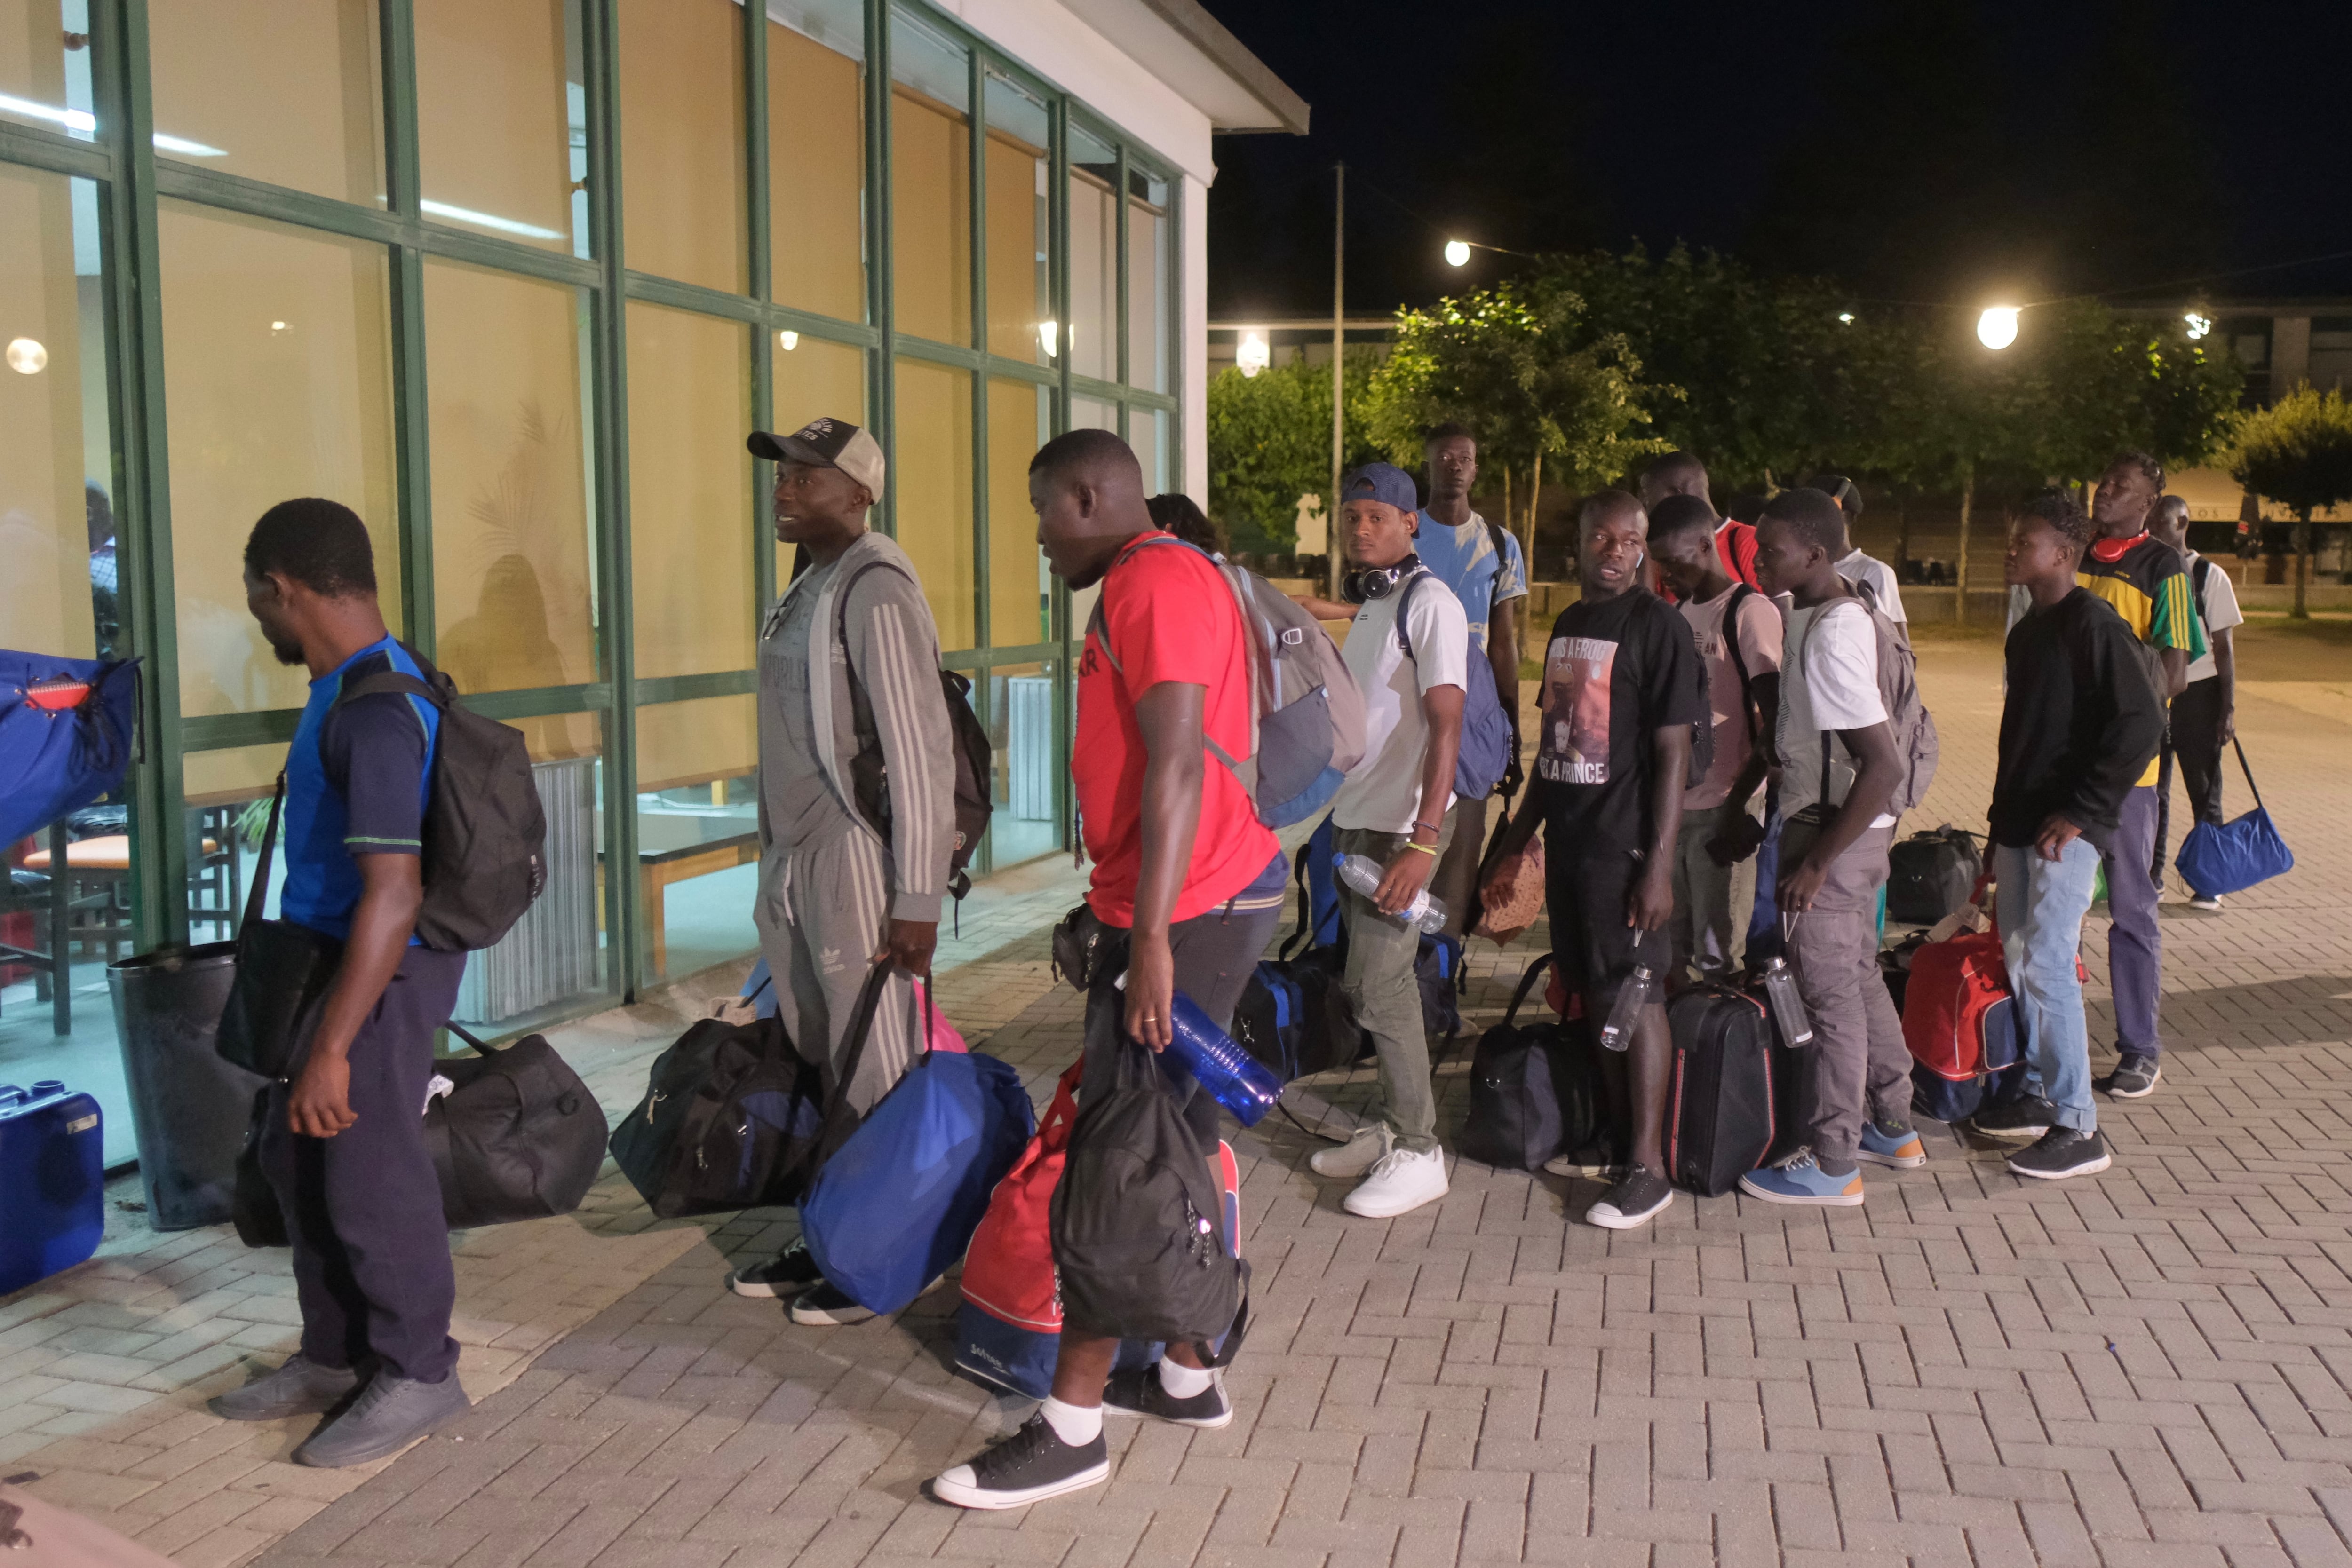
<point x="1338" y="380"/>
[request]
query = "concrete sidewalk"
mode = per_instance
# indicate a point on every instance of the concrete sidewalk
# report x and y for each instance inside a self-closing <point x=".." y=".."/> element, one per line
<point x="2146" y="1367"/>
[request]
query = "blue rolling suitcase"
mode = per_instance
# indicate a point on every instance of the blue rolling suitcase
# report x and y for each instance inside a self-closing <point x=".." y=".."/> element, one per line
<point x="52" y="1176"/>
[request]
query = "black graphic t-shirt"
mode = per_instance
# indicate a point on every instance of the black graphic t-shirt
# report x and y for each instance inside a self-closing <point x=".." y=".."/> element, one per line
<point x="1617" y="671"/>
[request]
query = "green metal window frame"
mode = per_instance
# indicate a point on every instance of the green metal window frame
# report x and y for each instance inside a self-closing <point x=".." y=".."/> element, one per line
<point x="132" y="180"/>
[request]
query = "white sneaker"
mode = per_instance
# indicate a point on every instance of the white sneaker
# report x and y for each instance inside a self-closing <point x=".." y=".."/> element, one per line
<point x="1360" y="1153"/>
<point x="1401" y="1182"/>
<point x="2204" y="901"/>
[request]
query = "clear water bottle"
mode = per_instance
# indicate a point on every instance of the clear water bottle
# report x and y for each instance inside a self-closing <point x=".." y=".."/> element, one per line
<point x="1233" y="1078"/>
<point x="1363" y="873"/>
<point x="1788" y="1008"/>
<point x="1640" y="989"/>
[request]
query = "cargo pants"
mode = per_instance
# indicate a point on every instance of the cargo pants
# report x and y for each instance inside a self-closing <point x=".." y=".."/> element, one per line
<point x="1859" y="1066"/>
<point x="1381" y="983"/>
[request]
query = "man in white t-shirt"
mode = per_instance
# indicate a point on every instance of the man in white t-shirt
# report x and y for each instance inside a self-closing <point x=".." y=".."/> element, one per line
<point x="1840" y="769"/>
<point x="1738" y="632"/>
<point x="2205" y="714"/>
<point x="1395" y="810"/>
<point x="1862" y="570"/>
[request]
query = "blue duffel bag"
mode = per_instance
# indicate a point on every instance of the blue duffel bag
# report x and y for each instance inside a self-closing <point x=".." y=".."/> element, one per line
<point x="2237" y="854"/>
<point x="897" y="1202"/>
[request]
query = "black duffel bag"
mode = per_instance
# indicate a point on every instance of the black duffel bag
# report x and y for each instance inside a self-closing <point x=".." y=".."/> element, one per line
<point x="519" y="1137"/>
<point x="1930" y="874"/>
<point x="1534" y="1091"/>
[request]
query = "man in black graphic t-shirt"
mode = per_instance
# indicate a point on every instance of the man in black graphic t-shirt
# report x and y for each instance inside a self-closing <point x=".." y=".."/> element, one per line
<point x="1621" y="689"/>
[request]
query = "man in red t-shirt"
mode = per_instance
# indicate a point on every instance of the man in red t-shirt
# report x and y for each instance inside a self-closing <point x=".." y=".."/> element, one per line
<point x="1680" y="474"/>
<point x="1184" y="871"/>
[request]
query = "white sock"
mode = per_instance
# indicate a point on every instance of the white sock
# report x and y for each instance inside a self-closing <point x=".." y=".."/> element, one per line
<point x="1077" y="1425"/>
<point x="1180" y="1382"/>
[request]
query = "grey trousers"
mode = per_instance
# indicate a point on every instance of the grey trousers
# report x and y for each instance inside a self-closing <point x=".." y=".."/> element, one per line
<point x="1455" y="880"/>
<point x="1859" y="1064"/>
<point x="1387" y="996"/>
<point x="1705" y="929"/>
<point x="823" y="911"/>
<point x="2134" y="942"/>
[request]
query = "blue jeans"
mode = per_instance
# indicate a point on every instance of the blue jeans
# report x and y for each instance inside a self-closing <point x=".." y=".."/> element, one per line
<point x="2041" y="904"/>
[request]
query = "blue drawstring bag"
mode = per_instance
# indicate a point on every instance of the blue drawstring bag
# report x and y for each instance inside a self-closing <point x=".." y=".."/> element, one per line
<point x="2237" y="854"/>
<point x="64" y="735"/>
<point x="898" y="1201"/>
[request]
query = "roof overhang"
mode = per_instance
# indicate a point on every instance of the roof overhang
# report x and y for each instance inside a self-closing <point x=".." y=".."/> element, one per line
<point x="1192" y="53"/>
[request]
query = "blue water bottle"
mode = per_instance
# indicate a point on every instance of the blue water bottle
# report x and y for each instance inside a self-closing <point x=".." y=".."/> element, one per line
<point x="1239" y="1081"/>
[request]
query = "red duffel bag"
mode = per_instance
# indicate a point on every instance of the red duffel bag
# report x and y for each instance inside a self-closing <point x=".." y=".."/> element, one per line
<point x="1953" y="983"/>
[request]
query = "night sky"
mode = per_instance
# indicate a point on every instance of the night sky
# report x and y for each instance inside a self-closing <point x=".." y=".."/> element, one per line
<point x="1918" y="150"/>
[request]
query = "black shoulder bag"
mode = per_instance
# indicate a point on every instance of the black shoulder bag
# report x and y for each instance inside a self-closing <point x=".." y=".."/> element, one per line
<point x="283" y="971"/>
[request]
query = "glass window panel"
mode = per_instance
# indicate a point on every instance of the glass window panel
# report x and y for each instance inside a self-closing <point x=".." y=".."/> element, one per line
<point x="814" y="377"/>
<point x="277" y="383"/>
<point x="44" y="79"/>
<point x="1094" y="258"/>
<point x="931" y="183"/>
<point x="697" y="832"/>
<point x="690" y="517"/>
<point x="290" y="91"/>
<point x="1020" y="295"/>
<point x="1147" y="432"/>
<point x="816" y="155"/>
<point x="498" y="94"/>
<point x="1020" y="591"/>
<point x="57" y="597"/>
<point x="932" y="474"/>
<point x="512" y="529"/>
<point x="1149" y="271"/>
<point x="1092" y="413"/>
<point x="1021" y="729"/>
<point x="556" y="952"/>
<point x="683" y="160"/>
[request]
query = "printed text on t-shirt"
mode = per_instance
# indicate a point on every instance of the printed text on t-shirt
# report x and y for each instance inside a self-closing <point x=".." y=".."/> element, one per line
<point x="1577" y="673"/>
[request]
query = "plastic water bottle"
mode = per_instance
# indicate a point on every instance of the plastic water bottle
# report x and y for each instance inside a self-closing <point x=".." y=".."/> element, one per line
<point x="1363" y="873"/>
<point x="1788" y="1008"/>
<point x="1233" y="1078"/>
<point x="1640" y="989"/>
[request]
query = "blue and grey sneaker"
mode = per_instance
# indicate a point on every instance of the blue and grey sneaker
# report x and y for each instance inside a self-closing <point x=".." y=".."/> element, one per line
<point x="2133" y="1077"/>
<point x="1800" y="1179"/>
<point x="1891" y="1144"/>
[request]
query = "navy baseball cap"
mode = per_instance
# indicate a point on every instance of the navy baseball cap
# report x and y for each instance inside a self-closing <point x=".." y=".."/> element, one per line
<point x="1380" y="482"/>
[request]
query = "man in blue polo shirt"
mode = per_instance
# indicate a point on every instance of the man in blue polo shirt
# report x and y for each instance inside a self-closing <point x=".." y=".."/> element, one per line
<point x="343" y="1146"/>
<point x="1482" y="566"/>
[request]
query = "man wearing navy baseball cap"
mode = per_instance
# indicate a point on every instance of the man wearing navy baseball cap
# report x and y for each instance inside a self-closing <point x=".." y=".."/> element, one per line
<point x="1407" y="649"/>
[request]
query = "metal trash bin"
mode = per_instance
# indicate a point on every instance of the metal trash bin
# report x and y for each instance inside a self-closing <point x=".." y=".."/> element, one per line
<point x="189" y="1108"/>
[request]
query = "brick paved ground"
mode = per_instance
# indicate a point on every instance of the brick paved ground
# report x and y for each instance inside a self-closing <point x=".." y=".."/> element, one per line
<point x="2148" y="1367"/>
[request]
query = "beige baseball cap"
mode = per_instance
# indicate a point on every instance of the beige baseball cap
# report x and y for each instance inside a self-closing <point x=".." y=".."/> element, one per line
<point x="830" y="443"/>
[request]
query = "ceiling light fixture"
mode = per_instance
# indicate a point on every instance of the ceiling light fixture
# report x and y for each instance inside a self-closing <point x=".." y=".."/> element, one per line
<point x="27" y="358"/>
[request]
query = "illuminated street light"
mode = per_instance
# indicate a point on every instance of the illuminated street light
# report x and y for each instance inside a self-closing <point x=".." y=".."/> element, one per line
<point x="1846" y="317"/>
<point x="1457" y="253"/>
<point x="1997" y="328"/>
<point x="1253" y="355"/>
<point x="2198" y="325"/>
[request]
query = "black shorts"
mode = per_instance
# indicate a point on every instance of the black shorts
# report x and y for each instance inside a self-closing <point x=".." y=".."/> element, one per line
<point x="1587" y="898"/>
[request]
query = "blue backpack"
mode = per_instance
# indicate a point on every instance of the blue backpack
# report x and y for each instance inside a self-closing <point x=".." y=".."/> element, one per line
<point x="1486" y="753"/>
<point x="64" y="735"/>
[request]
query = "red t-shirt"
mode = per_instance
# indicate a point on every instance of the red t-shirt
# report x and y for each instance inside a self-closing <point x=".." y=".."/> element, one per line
<point x="1169" y="617"/>
<point x="1736" y="543"/>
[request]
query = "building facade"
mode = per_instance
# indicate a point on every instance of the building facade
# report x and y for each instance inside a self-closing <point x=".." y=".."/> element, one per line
<point x="513" y="278"/>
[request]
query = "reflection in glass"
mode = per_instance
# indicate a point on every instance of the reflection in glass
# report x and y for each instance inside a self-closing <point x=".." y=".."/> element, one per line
<point x="933" y="477"/>
<point x="277" y="379"/>
<point x="697" y="832"/>
<point x="44" y="56"/>
<point x="290" y="91"/>
<point x="499" y="107"/>
<point x="1020" y="297"/>
<point x="1019" y="589"/>
<point x="690" y="513"/>
<point x="1150" y="268"/>
<point x="816" y="155"/>
<point x="814" y="378"/>
<point x="1021" y="730"/>
<point x="513" y="528"/>
<point x="1094" y="258"/>
<point x="682" y="155"/>
<point x="930" y="181"/>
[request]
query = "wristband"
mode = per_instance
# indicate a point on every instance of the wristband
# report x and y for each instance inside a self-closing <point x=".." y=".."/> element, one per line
<point x="1429" y="850"/>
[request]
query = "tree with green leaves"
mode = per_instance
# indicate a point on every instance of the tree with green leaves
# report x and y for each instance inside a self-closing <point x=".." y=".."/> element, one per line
<point x="1270" y="442"/>
<point x="2298" y="452"/>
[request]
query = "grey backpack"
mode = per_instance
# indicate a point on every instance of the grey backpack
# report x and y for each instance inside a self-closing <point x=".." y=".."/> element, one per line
<point x="1914" y="727"/>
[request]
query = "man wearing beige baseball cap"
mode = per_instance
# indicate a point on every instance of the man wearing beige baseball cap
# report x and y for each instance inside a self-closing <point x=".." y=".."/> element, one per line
<point x="848" y="663"/>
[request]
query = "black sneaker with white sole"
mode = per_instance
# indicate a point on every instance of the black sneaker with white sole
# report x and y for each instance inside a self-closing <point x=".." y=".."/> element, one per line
<point x="788" y="1273"/>
<point x="1640" y="1194"/>
<point x="826" y="1305"/>
<point x="1137" y="1391"/>
<point x="1030" y="1466"/>
<point x="2026" y="1116"/>
<point x="2133" y="1078"/>
<point x="2060" y="1153"/>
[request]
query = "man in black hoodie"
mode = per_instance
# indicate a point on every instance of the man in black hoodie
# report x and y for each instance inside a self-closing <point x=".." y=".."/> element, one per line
<point x="2081" y="719"/>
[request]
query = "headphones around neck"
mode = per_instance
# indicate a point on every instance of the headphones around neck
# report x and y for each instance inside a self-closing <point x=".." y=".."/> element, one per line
<point x="1367" y="583"/>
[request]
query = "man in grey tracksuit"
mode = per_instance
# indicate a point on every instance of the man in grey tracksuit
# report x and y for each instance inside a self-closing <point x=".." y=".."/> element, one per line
<point x="848" y="664"/>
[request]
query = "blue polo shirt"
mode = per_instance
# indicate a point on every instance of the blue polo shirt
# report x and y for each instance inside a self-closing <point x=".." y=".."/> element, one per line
<point x="1464" y="558"/>
<point x="356" y="785"/>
